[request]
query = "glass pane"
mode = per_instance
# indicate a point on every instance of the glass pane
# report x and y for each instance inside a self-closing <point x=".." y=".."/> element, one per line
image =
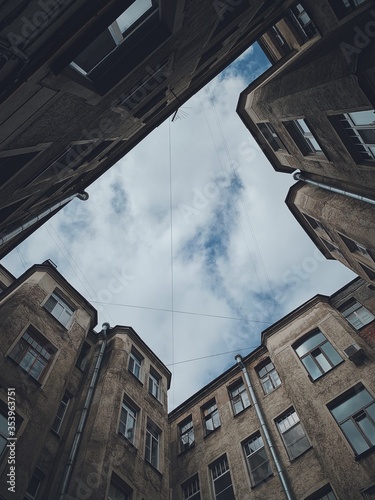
<point x="133" y="13"/>
<point x="268" y="387"/>
<point x="371" y="411"/>
<point x="323" y="362"/>
<point x="311" y="367"/>
<point x="57" y="310"/>
<point x="351" y="405"/>
<point x="354" y="437"/>
<point x="368" y="429"/>
<point x="96" y="51"/>
<point x="363" y="117"/>
<point x="37" y="369"/>
<point x="275" y="378"/>
<point x="299" y="447"/>
<point x="313" y="142"/>
<point x="303" y="125"/>
<point x="368" y="135"/>
<point x="310" y="343"/>
<point x="222" y="482"/>
<point x="216" y="420"/>
<point x="331" y="353"/>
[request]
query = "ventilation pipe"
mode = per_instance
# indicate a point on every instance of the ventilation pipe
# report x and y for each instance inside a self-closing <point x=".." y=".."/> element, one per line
<point x="299" y="176"/>
<point x="264" y="428"/>
<point x="82" y="421"/>
<point x="3" y="239"/>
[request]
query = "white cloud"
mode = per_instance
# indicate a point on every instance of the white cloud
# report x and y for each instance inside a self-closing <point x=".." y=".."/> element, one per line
<point x="248" y="256"/>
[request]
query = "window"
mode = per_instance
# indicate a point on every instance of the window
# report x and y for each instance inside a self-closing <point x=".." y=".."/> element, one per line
<point x="370" y="273"/>
<point x="316" y="224"/>
<point x="211" y="417"/>
<point x="303" y="137"/>
<point x="257" y="460"/>
<point x="355" y="414"/>
<point x="154" y="384"/>
<point x="357" y="248"/>
<point x="152" y="444"/>
<point x="271" y="136"/>
<point x="128" y="421"/>
<point x="324" y="493"/>
<point x="83" y="356"/>
<point x="269" y="377"/>
<point x="221" y="479"/>
<point x="118" y="489"/>
<point x="190" y="489"/>
<point x="135" y="364"/>
<point x="344" y="7"/>
<point x="59" y="309"/>
<point x="302" y="21"/>
<point x="359" y="128"/>
<point x="292" y="433"/>
<point x="112" y="37"/>
<point x="56" y="426"/>
<point x="33" y="353"/>
<point x="186" y="433"/>
<point x="332" y="247"/>
<point x="34" y="485"/>
<point x="356" y="314"/>
<point x="317" y="354"/>
<point x="239" y="397"/>
<point x="369" y="493"/>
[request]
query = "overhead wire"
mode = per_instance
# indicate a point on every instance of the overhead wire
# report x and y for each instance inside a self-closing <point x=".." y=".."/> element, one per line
<point x="211" y="356"/>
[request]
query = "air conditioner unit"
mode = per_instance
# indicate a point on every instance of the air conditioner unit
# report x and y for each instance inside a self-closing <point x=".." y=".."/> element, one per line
<point x="355" y="353"/>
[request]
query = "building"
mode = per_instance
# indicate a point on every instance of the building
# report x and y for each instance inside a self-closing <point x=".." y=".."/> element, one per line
<point x="83" y="414"/>
<point x="313" y="111"/>
<point x="82" y="82"/>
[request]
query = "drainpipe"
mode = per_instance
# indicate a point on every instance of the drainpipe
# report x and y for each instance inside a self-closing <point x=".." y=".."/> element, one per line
<point x="299" y="176"/>
<point x="263" y="425"/>
<point x="82" y="421"/>
<point x="3" y="239"/>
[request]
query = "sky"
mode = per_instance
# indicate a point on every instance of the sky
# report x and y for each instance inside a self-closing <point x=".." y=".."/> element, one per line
<point x="188" y="240"/>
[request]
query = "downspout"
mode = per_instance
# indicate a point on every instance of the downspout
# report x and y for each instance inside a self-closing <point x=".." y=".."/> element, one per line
<point x="3" y="239"/>
<point x="78" y="435"/>
<point x="299" y="176"/>
<point x="263" y="425"/>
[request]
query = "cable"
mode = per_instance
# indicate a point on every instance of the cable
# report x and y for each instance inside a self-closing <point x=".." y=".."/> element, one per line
<point x="210" y="356"/>
<point x="182" y="312"/>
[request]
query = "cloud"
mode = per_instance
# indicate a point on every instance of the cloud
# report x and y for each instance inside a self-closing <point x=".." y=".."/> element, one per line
<point x="237" y="251"/>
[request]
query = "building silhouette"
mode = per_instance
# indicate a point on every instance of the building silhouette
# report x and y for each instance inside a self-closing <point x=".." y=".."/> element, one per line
<point x="312" y="113"/>
<point x="292" y="419"/>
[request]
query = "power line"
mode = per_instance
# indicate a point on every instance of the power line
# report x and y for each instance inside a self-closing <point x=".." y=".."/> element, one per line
<point x="210" y="356"/>
<point x="182" y="312"/>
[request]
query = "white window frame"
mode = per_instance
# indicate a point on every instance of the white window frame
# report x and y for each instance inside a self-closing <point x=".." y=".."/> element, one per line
<point x="307" y="138"/>
<point x="186" y="434"/>
<point x="152" y="441"/>
<point x="254" y="446"/>
<point x="285" y="424"/>
<point x="238" y="397"/>
<point x="218" y="469"/>
<point x="135" y="364"/>
<point x="128" y="421"/>
<point x="364" y="149"/>
<point x="211" y="414"/>
<point x="268" y="376"/>
<point x="154" y="385"/>
<point x="357" y="315"/>
<point x="66" y="309"/>
<point x="191" y="489"/>
<point x="63" y="407"/>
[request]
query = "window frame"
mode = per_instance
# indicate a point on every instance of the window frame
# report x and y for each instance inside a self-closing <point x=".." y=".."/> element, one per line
<point x="304" y="139"/>
<point x="153" y="439"/>
<point x="257" y="437"/>
<point x="182" y="433"/>
<point x="195" y="492"/>
<point x="66" y="309"/>
<point x="241" y="396"/>
<point x="39" y="476"/>
<point x="59" y="420"/>
<point x="120" y="485"/>
<point x="271" y="137"/>
<point x="154" y="384"/>
<point x="130" y="412"/>
<point x="46" y="352"/>
<point x="311" y="354"/>
<point x="283" y="433"/>
<point x="220" y="465"/>
<point x="267" y="376"/>
<point x="355" y="416"/>
<point x="210" y="416"/>
<point x="323" y="493"/>
<point x="306" y="31"/>
<point x="136" y="360"/>
<point x="348" y="306"/>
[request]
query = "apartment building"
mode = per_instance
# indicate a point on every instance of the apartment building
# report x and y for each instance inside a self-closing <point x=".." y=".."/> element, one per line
<point x="312" y="113"/>
<point x="83" y="82"/>
<point x="84" y="414"/>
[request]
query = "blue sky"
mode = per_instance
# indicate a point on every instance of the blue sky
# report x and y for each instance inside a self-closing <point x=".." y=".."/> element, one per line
<point x="223" y="251"/>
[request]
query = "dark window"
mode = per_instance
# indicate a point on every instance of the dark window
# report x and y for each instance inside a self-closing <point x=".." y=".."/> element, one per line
<point x="135" y="364"/>
<point x="34" y="485"/>
<point x="269" y="377"/>
<point x="356" y="248"/>
<point x="221" y="479"/>
<point x="152" y="444"/>
<point x="33" y="353"/>
<point x="211" y="417"/>
<point x="257" y="460"/>
<point x="369" y="493"/>
<point x="357" y="315"/>
<point x="271" y="136"/>
<point x="83" y="356"/>
<point x="59" y="309"/>
<point x="128" y="420"/>
<point x="368" y="271"/>
<point x="357" y="130"/>
<point x="190" y="489"/>
<point x="302" y="21"/>
<point x="355" y="414"/>
<point x="332" y="247"/>
<point x="293" y="434"/>
<point x="317" y="354"/>
<point x="344" y="7"/>
<point x="118" y="489"/>
<point x="61" y="412"/>
<point x="303" y="137"/>
<point x="324" y="493"/>
<point x="239" y="397"/>
<point x="186" y="433"/>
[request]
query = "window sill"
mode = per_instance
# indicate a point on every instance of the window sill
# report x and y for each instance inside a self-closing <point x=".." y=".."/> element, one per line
<point x="185" y="451"/>
<point x="212" y="432"/>
<point x="365" y="454"/>
<point x="154" y="398"/>
<point x="132" y="447"/>
<point x="153" y="468"/>
<point x="66" y="328"/>
<point x="136" y="378"/>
